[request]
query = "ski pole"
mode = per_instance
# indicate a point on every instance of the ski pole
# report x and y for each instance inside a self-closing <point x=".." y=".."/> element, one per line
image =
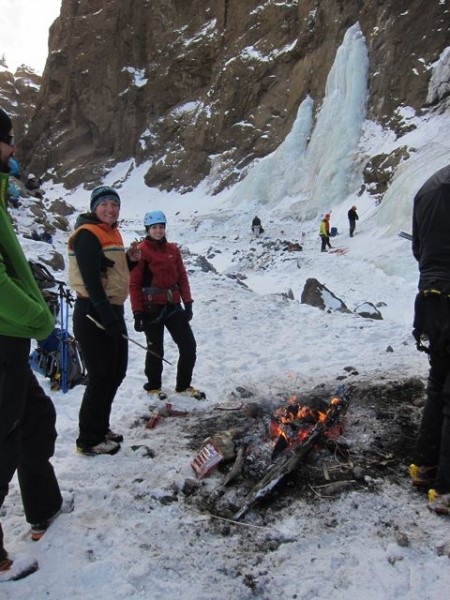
<point x="125" y="337"/>
<point x="66" y="346"/>
<point x="63" y="317"/>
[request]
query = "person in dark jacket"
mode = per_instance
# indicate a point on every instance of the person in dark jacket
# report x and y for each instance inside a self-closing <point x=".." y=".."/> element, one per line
<point x="257" y="227"/>
<point x="352" y="218"/>
<point x="431" y="248"/>
<point x="99" y="273"/>
<point x="157" y="286"/>
<point x="33" y="185"/>
<point x="27" y="414"/>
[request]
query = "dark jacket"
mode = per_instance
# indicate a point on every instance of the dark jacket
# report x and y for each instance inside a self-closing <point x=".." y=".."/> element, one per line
<point x="431" y="231"/>
<point x="352" y="215"/>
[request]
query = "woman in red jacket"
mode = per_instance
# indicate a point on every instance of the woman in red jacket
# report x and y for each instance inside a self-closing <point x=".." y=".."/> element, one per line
<point x="158" y="284"/>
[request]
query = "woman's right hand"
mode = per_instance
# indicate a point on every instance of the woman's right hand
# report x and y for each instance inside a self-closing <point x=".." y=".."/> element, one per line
<point x="140" y="319"/>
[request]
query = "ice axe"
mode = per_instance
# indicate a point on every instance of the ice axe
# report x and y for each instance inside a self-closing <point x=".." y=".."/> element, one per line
<point x="125" y="337"/>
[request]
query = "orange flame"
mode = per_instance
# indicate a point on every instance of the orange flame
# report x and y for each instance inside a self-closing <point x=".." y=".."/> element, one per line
<point x="303" y="416"/>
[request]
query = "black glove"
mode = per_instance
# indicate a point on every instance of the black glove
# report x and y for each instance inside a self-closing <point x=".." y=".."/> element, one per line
<point x="188" y="311"/>
<point x="114" y="330"/>
<point x="140" y="320"/>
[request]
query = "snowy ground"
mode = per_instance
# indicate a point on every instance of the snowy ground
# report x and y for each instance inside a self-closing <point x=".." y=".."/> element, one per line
<point x="133" y="534"/>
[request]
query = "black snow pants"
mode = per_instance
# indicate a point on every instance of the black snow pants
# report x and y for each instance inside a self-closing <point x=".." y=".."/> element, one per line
<point x="106" y="362"/>
<point x="27" y="433"/>
<point x="432" y="318"/>
<point x="174" y="318"/>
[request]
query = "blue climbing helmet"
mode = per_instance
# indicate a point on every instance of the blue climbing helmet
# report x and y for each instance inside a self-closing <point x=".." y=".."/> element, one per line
<point x="153" y="217"/>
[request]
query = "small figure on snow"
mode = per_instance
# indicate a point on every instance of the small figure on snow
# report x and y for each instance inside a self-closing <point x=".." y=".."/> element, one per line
<point x="33" y="185"/>
<point x="352" y="218"/>
<point x="257" y="228"/>
<point x="324" y="232"/>
<point x="158" y="285"/>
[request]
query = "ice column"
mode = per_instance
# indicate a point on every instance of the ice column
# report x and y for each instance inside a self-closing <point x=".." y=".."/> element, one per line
<point x="316" y="175"/>
<point x="272" y="177"/>
<point x="330" y="157"/>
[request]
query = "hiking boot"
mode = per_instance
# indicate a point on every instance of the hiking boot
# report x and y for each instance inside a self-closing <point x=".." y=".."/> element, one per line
<point x="438" y="503"/>
<point x="105" y="447"/>
<point x="422" y="477"/>
<point x="5" y="564"/>
<point x="114" y="437"/>
<point x="39" y="529"/>
<point x="155" y="392"/>
<point x="193" y="393"/>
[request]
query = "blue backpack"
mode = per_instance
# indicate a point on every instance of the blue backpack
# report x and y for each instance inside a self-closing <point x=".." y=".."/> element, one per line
<point x="58" y="357"/>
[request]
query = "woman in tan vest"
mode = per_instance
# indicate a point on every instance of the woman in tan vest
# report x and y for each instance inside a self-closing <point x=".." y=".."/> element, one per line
<point x="99" y="269"/>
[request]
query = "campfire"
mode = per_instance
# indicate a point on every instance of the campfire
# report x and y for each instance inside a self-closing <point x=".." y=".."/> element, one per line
<point x="292" y="424"/>
<point x="292" y="431"/>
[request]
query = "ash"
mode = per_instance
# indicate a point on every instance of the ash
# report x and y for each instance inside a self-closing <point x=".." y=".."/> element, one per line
<point x="374" y="444"/>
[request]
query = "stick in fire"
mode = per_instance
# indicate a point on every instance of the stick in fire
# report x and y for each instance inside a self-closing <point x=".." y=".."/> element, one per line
<point x="291" y="458"/>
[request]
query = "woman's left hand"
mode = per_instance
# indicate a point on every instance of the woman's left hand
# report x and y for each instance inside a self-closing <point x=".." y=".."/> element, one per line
<point x="134" y="252"/>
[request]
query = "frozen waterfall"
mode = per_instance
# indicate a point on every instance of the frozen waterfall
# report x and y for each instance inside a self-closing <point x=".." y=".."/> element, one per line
<point x="313" y="166"/>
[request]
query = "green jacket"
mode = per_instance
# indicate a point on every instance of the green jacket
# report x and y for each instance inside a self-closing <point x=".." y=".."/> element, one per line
<point x="23" y="311"/>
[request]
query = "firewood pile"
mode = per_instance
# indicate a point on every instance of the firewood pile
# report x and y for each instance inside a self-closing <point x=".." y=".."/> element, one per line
<point x="313" y="446"/>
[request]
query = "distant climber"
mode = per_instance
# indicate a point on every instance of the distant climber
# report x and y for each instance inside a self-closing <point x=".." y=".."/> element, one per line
<point x="257" y="228"/>
<point x="33" y="185"/>
<point x="352" y="218"/>
<point x="324" y="232"/>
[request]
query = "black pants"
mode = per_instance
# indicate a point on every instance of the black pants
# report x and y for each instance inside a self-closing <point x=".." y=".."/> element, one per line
<point x="106" y="362"/>
<point x="352" y="227"/>
<point x="27" y="433"/>
<point x="432" y="317"/>
<point x="177" y="325"/>
<point x="433" y="445"/>
<point x="325" y="242"/>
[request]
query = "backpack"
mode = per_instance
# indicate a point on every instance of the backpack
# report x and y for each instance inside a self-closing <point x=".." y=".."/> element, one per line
<point x="52" y="354"/>
<point x="42" y="275"/>
<point x="45" y="280"/>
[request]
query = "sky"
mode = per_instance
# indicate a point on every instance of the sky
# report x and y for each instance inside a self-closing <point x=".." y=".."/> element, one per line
<point x="24" y="25"/>
<point x="133" y="533"/>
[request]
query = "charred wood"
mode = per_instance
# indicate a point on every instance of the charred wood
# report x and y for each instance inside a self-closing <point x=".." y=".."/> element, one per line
<point x="291" y="458"/>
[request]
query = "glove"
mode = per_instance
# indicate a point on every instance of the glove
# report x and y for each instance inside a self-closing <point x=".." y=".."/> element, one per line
<point x="140" y="320"/>
<point x="188" y="311"/>
<point x="114" y="330"/>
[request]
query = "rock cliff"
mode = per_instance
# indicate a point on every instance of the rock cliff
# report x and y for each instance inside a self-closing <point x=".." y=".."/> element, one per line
<point x="19" y="93"/>
<point x="174" y="82"/>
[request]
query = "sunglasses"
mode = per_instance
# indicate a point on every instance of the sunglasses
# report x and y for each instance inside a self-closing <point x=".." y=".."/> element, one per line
<point x="8" y="139"/>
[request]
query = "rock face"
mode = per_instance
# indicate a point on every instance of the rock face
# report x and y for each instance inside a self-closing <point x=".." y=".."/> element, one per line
<point x="176" y="82"/>
<point x="19" y="93"/>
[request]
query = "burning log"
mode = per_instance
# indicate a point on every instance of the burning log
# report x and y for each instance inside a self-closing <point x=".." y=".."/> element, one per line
<point x="293" y="455"/>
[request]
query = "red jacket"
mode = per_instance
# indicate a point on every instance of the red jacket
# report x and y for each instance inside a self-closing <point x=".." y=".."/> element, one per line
<point x="159" y="277"/>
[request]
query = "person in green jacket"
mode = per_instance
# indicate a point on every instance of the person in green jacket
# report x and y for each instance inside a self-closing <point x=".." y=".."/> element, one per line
<point x="27" y="415"/>
<point x="324" y="232"/>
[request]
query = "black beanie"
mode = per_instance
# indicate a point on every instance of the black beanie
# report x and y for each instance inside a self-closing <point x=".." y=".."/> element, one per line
<point x="5" y="124"/>
<point x="102" y="193"/>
